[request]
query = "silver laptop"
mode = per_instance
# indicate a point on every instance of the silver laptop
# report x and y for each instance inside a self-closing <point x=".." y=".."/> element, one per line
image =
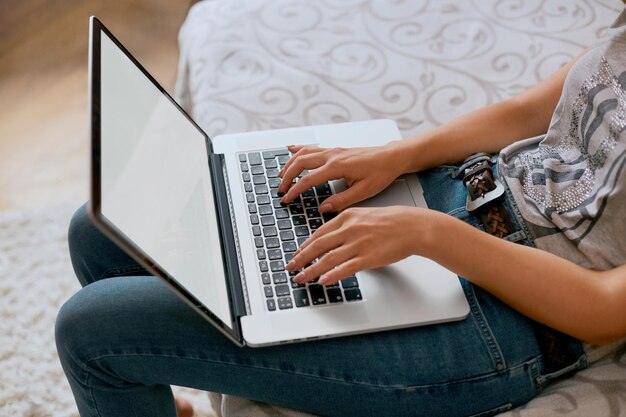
<point x="205" y="215"/>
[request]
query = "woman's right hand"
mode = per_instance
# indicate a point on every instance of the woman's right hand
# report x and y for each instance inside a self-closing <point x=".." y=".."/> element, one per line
<point x="367" y="171"/>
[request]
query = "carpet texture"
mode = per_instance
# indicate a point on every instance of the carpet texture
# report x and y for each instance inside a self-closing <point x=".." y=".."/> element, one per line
<point x="36" y="278"/>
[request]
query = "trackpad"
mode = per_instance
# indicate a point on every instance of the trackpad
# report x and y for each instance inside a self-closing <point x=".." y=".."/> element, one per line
<point x="397" y="194"/>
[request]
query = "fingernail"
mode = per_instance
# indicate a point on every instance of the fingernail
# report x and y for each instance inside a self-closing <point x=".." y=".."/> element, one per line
<point x="323" y="280"/>
<point x="290" y="146"/>
<point x="299" y="278"/>
<point x="325" y="207"/>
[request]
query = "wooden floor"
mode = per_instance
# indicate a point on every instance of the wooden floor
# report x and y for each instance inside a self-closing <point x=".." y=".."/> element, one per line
<point x="43" y="87"/>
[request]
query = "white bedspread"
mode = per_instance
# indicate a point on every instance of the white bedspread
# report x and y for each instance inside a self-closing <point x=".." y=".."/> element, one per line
<point x="259" y="64"/>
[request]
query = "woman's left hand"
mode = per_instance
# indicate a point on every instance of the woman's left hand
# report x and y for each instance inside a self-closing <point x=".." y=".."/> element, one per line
<point x="359" y="239"/>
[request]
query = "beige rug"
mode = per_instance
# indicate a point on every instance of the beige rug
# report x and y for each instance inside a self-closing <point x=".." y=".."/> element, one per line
<point x="36" y="277"/>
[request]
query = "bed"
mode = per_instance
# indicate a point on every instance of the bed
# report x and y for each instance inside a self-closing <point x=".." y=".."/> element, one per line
<point x="259" y="64"/>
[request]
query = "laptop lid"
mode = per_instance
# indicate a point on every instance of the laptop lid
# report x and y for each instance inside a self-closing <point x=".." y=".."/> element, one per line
<point x="155" y="184"/>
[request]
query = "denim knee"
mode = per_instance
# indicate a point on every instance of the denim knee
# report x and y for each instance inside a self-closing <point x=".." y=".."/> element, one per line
<point x="80" y="235"/>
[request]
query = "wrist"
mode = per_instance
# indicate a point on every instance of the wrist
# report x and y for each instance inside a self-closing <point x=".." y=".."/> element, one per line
<point x="404" y="154"/>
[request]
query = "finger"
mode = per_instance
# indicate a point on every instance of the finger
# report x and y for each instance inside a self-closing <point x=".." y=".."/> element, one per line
<point x="295" y="148"/>
<point x="326" y="263"/>
<point x="303" y="150"/>
<point x="310" y="161"/>
<point x="345" y="198"/>
<point x="314" y="250"/>
<point x="316" y="177"/>
<point x="343" y="271"/>
<point x="326" y="228"/>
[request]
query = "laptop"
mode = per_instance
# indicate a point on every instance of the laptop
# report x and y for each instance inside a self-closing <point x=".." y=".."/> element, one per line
<point x="205" y="215"/>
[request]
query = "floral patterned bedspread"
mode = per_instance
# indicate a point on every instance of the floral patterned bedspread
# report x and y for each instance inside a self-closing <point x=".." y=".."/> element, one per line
<point x="260" y="64"/>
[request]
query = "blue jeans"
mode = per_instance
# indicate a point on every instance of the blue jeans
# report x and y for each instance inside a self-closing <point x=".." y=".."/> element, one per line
<point x="125" y="337"/>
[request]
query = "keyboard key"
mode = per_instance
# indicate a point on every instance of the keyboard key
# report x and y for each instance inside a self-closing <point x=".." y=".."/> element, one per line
<point x="265" y="210"/>
<point x="283" y="159"/>
<point x="312" y="212"/>
<point x="286" y="235"/>
<point x="267" y="221"/>
<point x="262" y="199"/>
<point x="277" y="266"/>
<point x="274" y="182"/>
<point x="251" y="208"/>
<point x="254" y="158"/>
<point x="301" y="240"/>
<point x="247" y="187"/>
<point x="257" y="170"/>
<point x="275" y="194"/>
<point x="282" y="290"/>
<point x="350" y="282"/>
<point x="244" y="167"/>
<point x="246" y="177"/>
<point x="281" y="213"/>
<point x="308" y="193"/>
<point x="274" y="254"/>
<point x="250" y="197"/>
<point x="281" y="151"/>
<point x="334" y="295"/>
<point x="242" y="157"/>
<point x="260" y="254"/>
<point x="265" y="278"/>
<point x="268" y="155"/>
<point x="314" y="224"/>
<point x="272" y="243"/>
<point x="298" y="220"/>
<point x="258" y="179"/>
<point x="276" y="203"/>
<point x="270" y="231"/>
<point x="289" y="246"/>
<point x="258" y="242"/>
<point x="263" y="266"/>
<point x="296" y="209"/>
<point x="329" y="216"/>
<point x="254" y="219"/>
<point x="272" y="173"/>
<point x="288" y="257"/>
<point x="271" y="304"/>
<point x="323" y="190"/>
<point x="285" y="303"/>
<point x="317" y="294"/>
<point x="309" y="202"/>
<point x="261" y="189"/>
<point x="302" y="231"/>
<point x="301" y="298"/>
<point x="353" y="294"/>
<point x="271" y="164"/>
<point x="284" y="224"/>
<point x="279" y="278"/>
<point x="268" y="291"/>
<point x="296" y="285"/>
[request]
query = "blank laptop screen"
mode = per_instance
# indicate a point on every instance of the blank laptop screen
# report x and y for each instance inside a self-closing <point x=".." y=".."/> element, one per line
<point x="155" y="180"/>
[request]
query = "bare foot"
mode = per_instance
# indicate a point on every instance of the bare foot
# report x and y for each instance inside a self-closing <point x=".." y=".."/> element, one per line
<point x="183" y="407"/>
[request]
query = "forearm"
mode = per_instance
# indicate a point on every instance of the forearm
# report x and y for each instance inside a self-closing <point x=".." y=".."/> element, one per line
<point x="580" y="302"/>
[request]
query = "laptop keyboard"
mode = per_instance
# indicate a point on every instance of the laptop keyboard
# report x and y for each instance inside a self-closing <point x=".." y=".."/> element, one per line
<point x="279" y="229"/>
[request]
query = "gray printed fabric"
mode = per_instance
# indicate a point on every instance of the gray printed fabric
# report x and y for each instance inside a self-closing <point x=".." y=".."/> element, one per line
<point x="570" y="184"/>
<point x="259" y="64"/>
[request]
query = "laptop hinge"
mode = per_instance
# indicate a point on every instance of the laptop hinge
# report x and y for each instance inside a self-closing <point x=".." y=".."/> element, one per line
<point x="229" y="245"/>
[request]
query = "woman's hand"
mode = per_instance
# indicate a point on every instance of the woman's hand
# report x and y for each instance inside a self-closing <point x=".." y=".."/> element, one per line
<point x="367" y="171"/>
<point x="362" y="238"/>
